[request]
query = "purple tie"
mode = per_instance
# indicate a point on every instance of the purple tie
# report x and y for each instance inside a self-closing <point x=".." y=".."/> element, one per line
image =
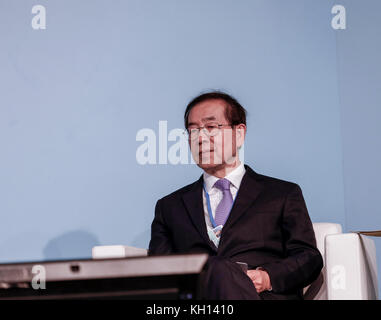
<point x="223" y="208"/>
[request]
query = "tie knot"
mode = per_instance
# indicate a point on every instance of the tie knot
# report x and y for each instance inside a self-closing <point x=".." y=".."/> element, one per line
<point x="223" y="184"/>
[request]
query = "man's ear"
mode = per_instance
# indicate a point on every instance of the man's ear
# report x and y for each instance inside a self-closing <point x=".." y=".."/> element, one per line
<point x="240" y="134"/>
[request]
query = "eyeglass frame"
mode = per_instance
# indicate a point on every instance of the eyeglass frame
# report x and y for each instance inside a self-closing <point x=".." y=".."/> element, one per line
<point x="205" y="130"/>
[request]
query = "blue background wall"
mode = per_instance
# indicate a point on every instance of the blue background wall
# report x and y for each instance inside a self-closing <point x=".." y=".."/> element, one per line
<point x="74" y="96"/>
<point x="359" y="78"/>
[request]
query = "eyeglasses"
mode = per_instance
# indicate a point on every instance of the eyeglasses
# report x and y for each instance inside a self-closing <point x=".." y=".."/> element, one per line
<point x="209" y="129"/>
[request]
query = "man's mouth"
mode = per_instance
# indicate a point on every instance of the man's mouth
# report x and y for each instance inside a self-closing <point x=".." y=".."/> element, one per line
<point x="205" y="151"/>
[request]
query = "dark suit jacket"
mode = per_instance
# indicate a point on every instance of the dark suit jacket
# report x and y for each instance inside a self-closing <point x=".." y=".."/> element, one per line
<point x="268" y="226"/>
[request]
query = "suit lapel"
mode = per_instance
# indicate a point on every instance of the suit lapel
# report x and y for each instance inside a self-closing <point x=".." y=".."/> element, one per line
<point x="194" y="205"/>
<point x="249" y="190"/>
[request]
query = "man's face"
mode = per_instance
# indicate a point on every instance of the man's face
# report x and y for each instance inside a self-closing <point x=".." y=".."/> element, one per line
<point x="218" y="148"/>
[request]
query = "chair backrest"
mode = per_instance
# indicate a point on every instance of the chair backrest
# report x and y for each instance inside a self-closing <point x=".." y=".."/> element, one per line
<point x="322" y="229"/>
<point x="318" y="289"/>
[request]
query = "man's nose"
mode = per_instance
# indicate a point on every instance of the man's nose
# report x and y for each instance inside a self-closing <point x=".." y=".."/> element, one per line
<point x="203" y="137"/>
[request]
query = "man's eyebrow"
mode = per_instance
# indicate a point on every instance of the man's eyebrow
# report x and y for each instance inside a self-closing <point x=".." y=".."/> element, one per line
<point x="209" y="118"/>
<point x="203" y="120"/>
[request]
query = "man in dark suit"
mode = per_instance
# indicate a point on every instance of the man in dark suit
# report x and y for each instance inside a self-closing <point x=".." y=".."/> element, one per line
<point x="237" y="216"/>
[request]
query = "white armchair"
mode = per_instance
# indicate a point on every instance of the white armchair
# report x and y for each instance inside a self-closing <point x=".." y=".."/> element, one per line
<point x="350" y="268"/>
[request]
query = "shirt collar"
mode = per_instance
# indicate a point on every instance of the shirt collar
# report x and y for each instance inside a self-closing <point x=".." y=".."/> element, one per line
<point x="235" y="178"/>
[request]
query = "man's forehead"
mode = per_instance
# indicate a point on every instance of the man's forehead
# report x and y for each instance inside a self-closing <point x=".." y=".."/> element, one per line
<point x="208" y="110"/>
<point x="210" y="118"/>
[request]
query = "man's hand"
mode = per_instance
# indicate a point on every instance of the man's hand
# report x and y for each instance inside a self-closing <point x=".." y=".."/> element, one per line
<point x="260" y="279"/>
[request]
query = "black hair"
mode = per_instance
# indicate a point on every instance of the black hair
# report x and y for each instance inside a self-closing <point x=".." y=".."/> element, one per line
<point x="234" y="112"/>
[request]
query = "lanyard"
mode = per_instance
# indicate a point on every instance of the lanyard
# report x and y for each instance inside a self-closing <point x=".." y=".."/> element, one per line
<point x="210" y="208"/>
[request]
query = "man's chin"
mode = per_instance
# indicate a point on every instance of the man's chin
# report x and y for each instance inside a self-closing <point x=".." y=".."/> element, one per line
<point x="209" y="166"/>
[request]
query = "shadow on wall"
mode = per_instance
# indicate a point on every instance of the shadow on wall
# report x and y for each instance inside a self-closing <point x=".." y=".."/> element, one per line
<point x="142" y="240"/>
<point x="71" y="245"/>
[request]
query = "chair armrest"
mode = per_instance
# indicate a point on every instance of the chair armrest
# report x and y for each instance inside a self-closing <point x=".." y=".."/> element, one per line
<point x="351" y="268"/>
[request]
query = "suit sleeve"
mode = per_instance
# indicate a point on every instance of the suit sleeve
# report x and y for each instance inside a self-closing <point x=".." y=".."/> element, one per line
<point x="303" y="262"/>
<point x="161" y="242"/>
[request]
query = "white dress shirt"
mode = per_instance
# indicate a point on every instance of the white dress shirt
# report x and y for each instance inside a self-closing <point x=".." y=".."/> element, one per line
<point x="215" y="194"/>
